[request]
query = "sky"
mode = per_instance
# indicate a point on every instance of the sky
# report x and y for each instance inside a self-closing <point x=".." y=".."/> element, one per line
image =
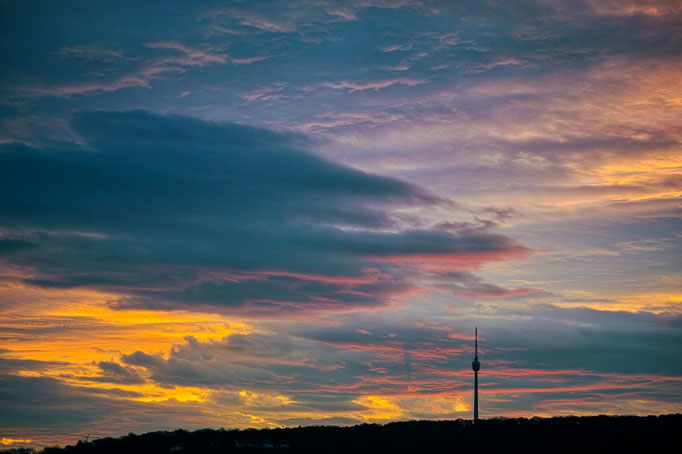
<point x="281" y="213"/>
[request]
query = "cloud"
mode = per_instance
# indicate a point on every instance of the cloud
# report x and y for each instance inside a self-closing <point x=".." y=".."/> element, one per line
<point x="346" y="15"/>
<point x="467" y="285"/>
<point x="185" y="272"/>
<point x="8" y="245"/>
<point x="13" y="365"/>
<point x="190" y="56"/>
<point x="412" y="363"/>
<point x="51" y="409"/>
<point x="631" y="7"/>
<point x="196" y="214"/>
<point x="142" y="359"/>
<point x="264" y="93"/>
<point x="255" y="20"/>
<point x="89" y="87"/>
<point x="301" y="18"/>
<point x="115" y="373"/>
<point x="91" y="52"/>
<point x="185" y="57"/>
<point x="353" y="86"/>
<point x="272" y="362"/>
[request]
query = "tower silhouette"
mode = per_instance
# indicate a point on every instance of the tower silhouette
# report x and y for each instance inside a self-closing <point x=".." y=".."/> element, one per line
<point x="476" y="366"/>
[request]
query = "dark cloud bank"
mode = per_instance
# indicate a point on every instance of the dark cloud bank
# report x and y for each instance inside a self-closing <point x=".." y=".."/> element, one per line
<point x="171" y="210"/>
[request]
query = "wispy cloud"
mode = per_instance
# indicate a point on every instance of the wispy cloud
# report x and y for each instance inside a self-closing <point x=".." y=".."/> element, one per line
<point x="85" y="88"/>
<point x="251" y="19"/>
<point x="631" y="7"/>
<point x="143" y="76"/>
<point x="92" y="52"/>
<point x="376" y="85"/>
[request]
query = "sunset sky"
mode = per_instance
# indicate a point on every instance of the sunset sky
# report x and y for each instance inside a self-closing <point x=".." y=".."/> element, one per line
<point x="282" y="213"/>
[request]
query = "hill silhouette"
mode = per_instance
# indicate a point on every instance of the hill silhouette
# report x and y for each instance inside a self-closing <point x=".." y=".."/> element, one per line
<point x="500" y="435"/>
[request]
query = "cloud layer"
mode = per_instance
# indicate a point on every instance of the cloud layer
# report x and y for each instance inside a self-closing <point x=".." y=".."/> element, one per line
<point x="172" y="210"/>
<point x="295" y="212"/>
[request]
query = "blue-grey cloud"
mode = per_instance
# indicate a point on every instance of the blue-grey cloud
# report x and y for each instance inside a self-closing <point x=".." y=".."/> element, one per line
<point x="115" y="373"/>
<point x="173" y="210"/>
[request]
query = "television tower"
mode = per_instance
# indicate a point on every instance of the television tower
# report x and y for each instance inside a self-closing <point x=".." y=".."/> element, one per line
<point x="476" y="366"/>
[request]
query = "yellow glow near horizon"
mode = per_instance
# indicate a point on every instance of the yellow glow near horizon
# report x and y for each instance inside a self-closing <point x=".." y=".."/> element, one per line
<point x="10" y="441"/>
<point x="155" y="393"/>
<point x="651" y="302"/>
<point x="74" y="329"/>
<point x="384" y="408"/>
<point x="378" y="408"/>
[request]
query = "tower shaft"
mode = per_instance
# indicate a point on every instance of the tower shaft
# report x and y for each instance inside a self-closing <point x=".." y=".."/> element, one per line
<point x="476" y="365"/>
<point x="475" y="396"/>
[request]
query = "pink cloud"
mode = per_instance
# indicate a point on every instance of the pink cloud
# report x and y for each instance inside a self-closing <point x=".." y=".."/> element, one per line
<point x="455" y="261"/>
<point x="84" y="88"/>
<point x="187" y="57"/>
<point x="343" y="14"/>
<point x="376" y="85"/>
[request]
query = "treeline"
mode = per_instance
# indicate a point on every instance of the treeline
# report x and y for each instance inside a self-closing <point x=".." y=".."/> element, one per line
<point x="548" y="435"/>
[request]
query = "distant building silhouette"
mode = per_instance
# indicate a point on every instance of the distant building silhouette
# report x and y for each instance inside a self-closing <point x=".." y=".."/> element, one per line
<point x="476" y="366"/>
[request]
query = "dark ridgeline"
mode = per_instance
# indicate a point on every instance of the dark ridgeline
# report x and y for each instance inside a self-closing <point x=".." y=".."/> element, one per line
<point x="603" y="434"/>
<point x="476" y="366"/>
